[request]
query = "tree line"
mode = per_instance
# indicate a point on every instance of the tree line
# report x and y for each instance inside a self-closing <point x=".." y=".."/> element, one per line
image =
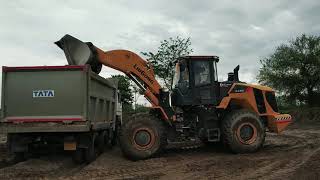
<point x="293" y="70"/>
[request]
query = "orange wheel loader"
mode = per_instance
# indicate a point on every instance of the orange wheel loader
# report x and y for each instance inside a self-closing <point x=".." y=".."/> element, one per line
<point x="199" y="107"/>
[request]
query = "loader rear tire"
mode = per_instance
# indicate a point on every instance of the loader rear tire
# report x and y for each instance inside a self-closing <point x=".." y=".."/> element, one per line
<point x="142" y="137"/>
<point x="243" y="131"/>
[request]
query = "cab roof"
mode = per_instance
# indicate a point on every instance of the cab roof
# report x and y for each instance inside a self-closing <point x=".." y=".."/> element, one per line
<point x="215" y="58"/>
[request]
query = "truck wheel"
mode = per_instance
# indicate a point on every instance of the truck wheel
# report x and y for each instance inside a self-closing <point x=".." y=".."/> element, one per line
<point x="142" y="137"/>
<point x="19" y="156"/>
<point x="91" y="150"/>
<point x="243" y="131"/>
<point x="116" y="133"/>
<point x="107" y="140"/>
<point x="101" y="142"/>
<point x="78" y="156"/>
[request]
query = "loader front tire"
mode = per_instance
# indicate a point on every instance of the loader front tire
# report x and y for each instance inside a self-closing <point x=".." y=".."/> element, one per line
<point x="243" y="131"/>
<point x="142" y="137"/>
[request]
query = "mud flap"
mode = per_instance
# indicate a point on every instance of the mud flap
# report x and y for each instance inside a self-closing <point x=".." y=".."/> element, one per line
<point x="70" y="146"/>
<point x="69" y="143"/>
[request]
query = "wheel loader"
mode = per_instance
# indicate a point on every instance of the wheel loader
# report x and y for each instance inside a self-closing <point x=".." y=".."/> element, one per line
<point x="199" y="107"/>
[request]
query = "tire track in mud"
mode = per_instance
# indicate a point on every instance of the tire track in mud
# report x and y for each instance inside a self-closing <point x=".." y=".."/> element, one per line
<point x="171" y="164"/>
<point x="295" y="148"/>
<point x="283" y="156"/>
<point x="69" y="169"/>
<point x="39" y="168"/>
<point x="6" y="159"/>
<point x="293" y="140"/>
<point x="310" y="168"/>
<point x="201" y="163"/>
<point x="125" y="169"/>
<point x="144" y="169"/>
<point x="295" y="166"/>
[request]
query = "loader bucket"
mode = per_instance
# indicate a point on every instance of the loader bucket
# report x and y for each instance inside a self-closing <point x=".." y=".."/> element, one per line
<point x="79" y="53"/>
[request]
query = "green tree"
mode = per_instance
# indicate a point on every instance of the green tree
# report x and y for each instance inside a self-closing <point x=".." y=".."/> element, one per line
<point x="141" y="108"/>
<point x="124" y="88"/>
<point x="294" y="70"/>
<point x="168" y="52"/>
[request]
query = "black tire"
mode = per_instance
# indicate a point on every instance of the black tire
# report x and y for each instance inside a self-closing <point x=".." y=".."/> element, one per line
<point x="19" y="156"/>
<point x="142" y="137"/>
<point x="107" y="140"/>
<point x="101" y="144"/>
<point x="78" y="156"/>
<point x="116" y="131"/>
<point x="91" y="151"/>
<point x="243" y="131"/>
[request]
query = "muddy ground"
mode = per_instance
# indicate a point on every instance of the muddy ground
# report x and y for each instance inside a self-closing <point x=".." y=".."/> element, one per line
<point x="295" y="154"/>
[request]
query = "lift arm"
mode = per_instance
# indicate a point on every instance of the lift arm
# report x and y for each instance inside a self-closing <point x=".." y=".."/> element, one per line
<point x="80" y="53"/>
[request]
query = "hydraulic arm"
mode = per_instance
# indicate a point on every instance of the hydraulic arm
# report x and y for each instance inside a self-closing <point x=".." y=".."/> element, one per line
<point x="138" y="69"/>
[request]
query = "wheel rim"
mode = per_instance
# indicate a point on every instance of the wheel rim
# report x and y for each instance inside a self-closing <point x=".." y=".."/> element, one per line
<point x="247" y="133"/>
<point x="143" y="138"/>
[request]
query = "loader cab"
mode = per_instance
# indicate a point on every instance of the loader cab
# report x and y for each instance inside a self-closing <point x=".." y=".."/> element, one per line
<point x="195" y="81"/>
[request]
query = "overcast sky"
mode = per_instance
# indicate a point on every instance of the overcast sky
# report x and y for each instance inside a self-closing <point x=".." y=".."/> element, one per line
<point x="240" y="32"/>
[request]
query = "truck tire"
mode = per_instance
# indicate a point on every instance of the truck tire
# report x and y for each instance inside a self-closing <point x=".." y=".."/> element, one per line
<point x="78" y="156"/>
<point x="116" y="133"/>
<point x="142" y="137"/>
<point x="107" y="139"/>
<point x="243" y="131"/>
<point x="91" y="151"/>
<point x="19" y="156"/>
<point x="101" y="144"/>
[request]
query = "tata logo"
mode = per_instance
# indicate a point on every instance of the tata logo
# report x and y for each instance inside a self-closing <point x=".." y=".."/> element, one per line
<point x="42" y="93"/>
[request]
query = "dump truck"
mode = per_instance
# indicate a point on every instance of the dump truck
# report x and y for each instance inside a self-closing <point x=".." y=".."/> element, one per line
<point x="200" y="107"/>
<point x="70" y="107"/>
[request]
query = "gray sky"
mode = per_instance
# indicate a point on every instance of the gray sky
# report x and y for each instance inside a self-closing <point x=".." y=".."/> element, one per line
<point x="240" y="32"/>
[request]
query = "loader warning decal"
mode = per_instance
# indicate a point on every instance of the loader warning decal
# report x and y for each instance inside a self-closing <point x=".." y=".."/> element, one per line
<point x="42" y="93"/>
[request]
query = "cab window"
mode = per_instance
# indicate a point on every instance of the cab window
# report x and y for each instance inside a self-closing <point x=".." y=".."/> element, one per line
<point x="181" y="75"/>
<point x="201" y="73"/>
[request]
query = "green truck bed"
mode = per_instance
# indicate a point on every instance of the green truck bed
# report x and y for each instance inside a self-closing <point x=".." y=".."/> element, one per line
<point x="56" y="99"/>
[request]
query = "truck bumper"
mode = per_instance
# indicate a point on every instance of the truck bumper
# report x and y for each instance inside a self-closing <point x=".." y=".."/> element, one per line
<point x="42" y="127"/>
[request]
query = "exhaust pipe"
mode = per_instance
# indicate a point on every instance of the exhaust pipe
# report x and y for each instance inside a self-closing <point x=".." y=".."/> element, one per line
<point x="79" y="53"/>
<point x="236" y="73"/>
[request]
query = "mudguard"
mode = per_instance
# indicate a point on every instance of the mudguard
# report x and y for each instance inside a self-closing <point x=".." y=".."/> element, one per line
<point x="254" y="97"/>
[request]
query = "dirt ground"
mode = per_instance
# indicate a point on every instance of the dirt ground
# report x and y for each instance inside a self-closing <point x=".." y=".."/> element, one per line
<point x="295" y="154"/>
